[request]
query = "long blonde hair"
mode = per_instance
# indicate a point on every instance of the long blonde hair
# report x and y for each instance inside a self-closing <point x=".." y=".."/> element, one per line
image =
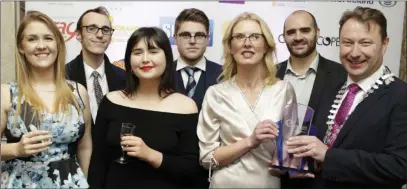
<point x="64" y="96"/>
<point x="229" y="64"/>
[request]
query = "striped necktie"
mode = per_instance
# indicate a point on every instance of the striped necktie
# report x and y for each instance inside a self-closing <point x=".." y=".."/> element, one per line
<point x="191" y="85"/>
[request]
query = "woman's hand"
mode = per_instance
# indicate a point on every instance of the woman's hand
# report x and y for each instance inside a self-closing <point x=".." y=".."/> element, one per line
<point x="266" y="129"/>
<point x="135" y="146"/>
<point x="33" y="143"/>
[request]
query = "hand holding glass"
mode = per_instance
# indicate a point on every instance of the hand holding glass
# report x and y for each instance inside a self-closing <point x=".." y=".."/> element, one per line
<point x="127" y="129"/>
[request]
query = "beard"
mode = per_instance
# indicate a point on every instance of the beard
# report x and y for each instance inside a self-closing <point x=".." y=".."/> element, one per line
<point x="311" y="47"/>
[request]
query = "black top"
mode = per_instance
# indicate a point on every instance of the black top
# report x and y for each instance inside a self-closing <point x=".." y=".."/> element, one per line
<point x="174" y="135"/>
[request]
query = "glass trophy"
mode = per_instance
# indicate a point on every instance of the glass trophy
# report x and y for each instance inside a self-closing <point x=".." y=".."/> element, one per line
<point x="296" y="120"/>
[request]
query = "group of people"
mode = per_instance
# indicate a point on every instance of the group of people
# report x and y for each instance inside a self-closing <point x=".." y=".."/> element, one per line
<point x="198" y="124"/>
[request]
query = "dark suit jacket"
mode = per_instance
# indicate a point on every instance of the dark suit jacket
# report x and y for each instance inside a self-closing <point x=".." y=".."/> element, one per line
<point x="370" y="151"/>
<point x="329" y="78"/>
<point x="207" y="79"/>
<point x="75" y="71"/>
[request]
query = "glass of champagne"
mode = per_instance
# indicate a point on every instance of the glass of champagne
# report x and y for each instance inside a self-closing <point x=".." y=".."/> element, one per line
<point x="127" y="129"/>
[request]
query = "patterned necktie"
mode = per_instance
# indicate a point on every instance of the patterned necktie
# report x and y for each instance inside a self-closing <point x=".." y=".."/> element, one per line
<point x="97" y="87"/>
<point x="191" y="85"/>
<point x="343" y="112"/>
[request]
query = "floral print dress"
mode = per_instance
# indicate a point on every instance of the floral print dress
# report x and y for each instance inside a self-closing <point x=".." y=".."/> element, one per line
<point x="56" y="167"/>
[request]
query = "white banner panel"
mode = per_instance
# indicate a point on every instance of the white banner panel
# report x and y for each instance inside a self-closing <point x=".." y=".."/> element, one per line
<point x="128" y="16"/>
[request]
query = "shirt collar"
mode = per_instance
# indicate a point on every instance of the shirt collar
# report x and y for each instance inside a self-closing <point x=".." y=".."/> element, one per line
<point x="201" y="64"/>
<point x="313" y="66"/>
<point x="366" y="83"/>
<point x="89" y="70"/>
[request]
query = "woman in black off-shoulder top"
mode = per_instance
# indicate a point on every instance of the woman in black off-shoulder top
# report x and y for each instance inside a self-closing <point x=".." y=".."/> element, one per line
<point x="164" y="151"/>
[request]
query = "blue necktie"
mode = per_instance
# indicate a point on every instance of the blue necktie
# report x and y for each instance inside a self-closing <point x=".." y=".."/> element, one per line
<point x="191" y="85"/>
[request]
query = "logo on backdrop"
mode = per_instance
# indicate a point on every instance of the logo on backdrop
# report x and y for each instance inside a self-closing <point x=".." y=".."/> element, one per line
<point x="167" y="24"/>
<point x="67" y="29"/>
<point x="119" y="63"/>
<point x="122" y="32"/>
<point x="231" y="1"/>
<point x="321" y="41"/>
<point x="387" y="3"/>
<point x="356" y="2"/>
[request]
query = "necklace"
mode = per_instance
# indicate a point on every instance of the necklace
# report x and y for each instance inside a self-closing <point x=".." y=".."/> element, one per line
<point x="252" y="107"/>
<point x="386" y="78"/>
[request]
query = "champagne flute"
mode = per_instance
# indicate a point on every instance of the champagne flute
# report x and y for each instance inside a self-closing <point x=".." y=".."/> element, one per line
<point x="127" y="129"/>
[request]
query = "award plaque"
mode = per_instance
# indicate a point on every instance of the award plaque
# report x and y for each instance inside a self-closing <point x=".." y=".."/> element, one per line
<point x="296" y="120"/>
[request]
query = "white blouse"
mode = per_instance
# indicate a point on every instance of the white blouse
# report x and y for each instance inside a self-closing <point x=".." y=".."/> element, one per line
<point x="226" y="118"/>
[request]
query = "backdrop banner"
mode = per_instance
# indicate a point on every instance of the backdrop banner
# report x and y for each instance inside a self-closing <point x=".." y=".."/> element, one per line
<point x="128" y="16"/>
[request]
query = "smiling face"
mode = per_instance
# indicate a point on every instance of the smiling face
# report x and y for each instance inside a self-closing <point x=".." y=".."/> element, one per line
<point x="300" y="34"/>
<point x="248" y="43"/>
<point x="361" y="48"/>
<point x="94" y="43"/>
<point x="147" y="60"/>
<point x="39" y="45"/>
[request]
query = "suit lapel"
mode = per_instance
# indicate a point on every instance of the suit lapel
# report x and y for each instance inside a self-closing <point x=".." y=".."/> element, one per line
<point x="281" y="69"/>
<point x="78" y="71"/>
<point x="111" y="76"/>
<point x="210" y="77"/>
<point x="178" y="82"/>
<point x="361" y="109"/>
<point x="318" y="87"/>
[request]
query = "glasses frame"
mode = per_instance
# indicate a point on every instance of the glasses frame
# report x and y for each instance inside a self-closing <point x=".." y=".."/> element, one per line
<point x="250" y="37"/>
<point x="97" y="31"/>
<point x="192" y="36"/>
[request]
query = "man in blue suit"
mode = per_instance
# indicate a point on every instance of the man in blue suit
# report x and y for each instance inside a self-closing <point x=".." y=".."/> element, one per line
<point x="194" y="73"/>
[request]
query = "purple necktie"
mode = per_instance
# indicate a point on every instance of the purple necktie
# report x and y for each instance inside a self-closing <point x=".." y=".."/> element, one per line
<point x="343" y="112"/>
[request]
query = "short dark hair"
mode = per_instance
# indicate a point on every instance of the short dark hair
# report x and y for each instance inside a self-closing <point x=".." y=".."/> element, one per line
<point x="153" y="37"/>
<point x="314" y="21"/>
<point x="366" y="15"/>
<point x="99" y="10"/>
<point x="192" y="15"/>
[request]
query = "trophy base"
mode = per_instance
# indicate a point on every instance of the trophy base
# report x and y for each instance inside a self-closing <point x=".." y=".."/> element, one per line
<point x="290" y="170"/>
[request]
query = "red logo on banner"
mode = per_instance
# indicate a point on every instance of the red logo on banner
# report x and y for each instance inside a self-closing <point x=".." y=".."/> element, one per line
<point x="67" y="29"/>
<point x="120" y="64"/>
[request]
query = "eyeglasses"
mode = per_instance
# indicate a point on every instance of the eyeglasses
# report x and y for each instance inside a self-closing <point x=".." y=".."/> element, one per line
<point x="94" y="30"/>
<point x="199" y="36"/>
<point x="254" y="37"/>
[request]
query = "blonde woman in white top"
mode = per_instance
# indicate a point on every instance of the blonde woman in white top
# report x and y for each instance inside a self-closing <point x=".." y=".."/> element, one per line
<point x="236" y="126"/>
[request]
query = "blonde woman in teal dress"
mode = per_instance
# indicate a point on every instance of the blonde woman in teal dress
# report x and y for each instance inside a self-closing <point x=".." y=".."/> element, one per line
<point x="44" y="117"/>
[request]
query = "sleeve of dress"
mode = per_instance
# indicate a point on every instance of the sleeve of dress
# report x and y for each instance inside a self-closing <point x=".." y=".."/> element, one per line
<point x="183" y="167"/>
<point x="98" y="164"/>
<point x="208" y="130"/>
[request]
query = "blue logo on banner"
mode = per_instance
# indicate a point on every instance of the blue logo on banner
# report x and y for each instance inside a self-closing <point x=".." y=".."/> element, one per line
<point x="167" y="24"/>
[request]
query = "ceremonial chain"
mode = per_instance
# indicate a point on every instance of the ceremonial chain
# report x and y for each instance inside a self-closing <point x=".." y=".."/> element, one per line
<point x="386" y="78"/>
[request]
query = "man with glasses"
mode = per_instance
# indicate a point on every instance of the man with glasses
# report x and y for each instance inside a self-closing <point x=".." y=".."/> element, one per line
<point x="194" y="73"/>
<point x="92" y="68"/>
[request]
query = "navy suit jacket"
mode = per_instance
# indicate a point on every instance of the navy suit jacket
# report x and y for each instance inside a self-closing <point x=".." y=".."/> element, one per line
<point x="370" y="151"/>
<point x="207" y="79"/>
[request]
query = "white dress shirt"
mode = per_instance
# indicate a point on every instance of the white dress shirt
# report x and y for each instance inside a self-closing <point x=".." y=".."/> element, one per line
<point x="365" y="85"/>
<point x="181" y="65"/>
<point x="91" y="88"/>
<point x="303" y="84"/>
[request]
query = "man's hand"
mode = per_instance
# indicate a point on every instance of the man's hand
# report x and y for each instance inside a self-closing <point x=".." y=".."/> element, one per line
<point x="307" y="146"/>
